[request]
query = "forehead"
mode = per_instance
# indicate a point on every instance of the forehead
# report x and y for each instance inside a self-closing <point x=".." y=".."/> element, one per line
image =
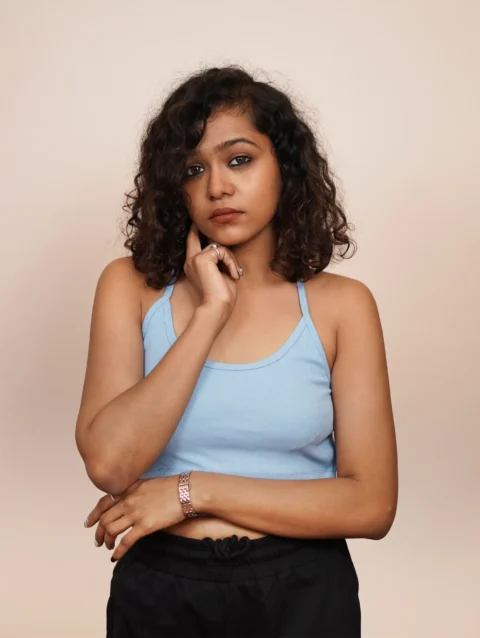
<point x="226" y="125"/>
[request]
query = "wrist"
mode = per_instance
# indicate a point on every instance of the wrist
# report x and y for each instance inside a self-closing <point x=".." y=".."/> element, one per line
<point x="201" y="491"/>
<point x="213" y="317"/>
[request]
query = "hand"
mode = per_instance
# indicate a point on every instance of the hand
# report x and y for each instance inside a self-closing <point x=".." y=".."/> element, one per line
<point x="103" y="505"/>
<point x="215" y="289"/>
<point x="148" y="505"/>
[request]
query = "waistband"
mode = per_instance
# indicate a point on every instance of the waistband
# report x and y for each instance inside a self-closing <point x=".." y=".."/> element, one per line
<point x="230" y="558"/>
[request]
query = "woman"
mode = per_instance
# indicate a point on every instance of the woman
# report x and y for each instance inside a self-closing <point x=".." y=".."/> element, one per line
<point x="220" y="352"/>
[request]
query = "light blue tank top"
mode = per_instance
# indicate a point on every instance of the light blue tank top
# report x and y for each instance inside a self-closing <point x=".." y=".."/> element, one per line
<point x="269" y="419"/>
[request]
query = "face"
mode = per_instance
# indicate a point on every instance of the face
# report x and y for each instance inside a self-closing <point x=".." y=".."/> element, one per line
<point x="234" y="166"/>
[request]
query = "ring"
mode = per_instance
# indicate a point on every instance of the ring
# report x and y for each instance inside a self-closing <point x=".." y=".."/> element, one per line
<point x="215" y="248"/>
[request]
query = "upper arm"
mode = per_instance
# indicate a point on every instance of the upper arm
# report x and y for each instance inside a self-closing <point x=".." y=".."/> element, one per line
<point x="364" y="424"/>
<point x="115" y="352"/>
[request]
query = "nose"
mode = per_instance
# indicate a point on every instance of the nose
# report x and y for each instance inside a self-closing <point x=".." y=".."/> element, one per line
<point x="219" y="183"/>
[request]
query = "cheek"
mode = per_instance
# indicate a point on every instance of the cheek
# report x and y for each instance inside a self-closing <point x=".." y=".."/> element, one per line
<point x="265" y="188"/>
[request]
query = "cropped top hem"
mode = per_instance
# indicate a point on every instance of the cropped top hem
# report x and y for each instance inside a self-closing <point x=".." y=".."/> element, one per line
<point x="161" y="472"/>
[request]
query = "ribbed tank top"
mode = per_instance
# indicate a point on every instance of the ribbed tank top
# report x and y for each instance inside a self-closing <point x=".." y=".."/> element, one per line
<point x="269" y="419"/>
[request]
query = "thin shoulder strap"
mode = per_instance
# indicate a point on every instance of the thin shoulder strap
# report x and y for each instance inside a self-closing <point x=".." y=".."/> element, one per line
<point x="303" y="299"/>
<point x="311" y="327"/>
<point x="168" y="291"/>
<point x="164" y="299"/>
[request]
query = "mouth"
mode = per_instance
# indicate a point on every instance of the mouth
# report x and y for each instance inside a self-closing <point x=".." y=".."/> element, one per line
<point x="220" y="212"/>
<point x="224" y="215"/>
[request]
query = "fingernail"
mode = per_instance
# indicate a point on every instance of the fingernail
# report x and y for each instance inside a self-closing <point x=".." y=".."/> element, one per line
<point x="97" y="544"/>
<point x="240" y="271"/>
<point x="86" y="522"/>
<point x="114" y="560"/>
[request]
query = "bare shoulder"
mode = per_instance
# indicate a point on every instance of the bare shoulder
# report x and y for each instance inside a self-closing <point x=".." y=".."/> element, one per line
<point x="355" y="320"/>
<point x="339" y="305"/>
<point x="121" y="271"/>
<point x="118" y="286"/>
<point x="124" y="281"/>
<point x="342" y="295"/>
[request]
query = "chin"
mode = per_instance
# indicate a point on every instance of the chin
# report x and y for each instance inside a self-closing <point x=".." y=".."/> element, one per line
<point x="224" y="234"/>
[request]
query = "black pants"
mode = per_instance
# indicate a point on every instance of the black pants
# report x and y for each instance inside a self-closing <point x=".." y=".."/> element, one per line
<point x="271" y="587"/>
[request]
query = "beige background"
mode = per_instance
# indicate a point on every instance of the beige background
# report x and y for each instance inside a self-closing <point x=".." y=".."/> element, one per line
<point x="394" y="89"/>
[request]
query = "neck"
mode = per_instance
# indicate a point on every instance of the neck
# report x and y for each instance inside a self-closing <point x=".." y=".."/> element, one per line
<point x="254" y="257"/>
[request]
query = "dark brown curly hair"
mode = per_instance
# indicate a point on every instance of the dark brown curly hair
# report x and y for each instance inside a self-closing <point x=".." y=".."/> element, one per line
<point x="309" y="222"/>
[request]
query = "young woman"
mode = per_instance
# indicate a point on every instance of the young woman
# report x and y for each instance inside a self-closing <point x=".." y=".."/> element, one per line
<point x="236" y="406"/>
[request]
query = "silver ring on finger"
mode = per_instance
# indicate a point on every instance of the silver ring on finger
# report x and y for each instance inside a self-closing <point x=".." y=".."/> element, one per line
<point x="215" y="248"/>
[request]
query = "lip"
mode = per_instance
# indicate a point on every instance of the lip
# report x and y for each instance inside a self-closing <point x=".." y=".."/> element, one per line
<point x="219" y="212"/>
<point x="225" y="219"/>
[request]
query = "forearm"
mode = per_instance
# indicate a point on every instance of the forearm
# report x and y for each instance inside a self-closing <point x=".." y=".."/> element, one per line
<point x="319" y="508"/>
<point x="131" y="431"/>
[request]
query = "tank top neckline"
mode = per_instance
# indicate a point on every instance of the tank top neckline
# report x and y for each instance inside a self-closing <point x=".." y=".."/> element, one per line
<point x="276" y="356"/>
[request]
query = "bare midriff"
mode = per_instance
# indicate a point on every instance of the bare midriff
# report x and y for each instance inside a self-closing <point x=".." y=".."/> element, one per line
<point x="204" y="526"/>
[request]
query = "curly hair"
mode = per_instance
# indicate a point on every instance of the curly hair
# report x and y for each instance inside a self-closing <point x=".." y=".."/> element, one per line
<point x="309" y="222"/>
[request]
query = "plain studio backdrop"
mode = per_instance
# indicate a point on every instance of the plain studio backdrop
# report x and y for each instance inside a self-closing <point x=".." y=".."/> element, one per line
<point x="393" y="89"/>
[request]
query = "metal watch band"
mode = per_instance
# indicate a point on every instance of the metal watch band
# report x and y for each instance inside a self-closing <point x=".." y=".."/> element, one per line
<point x="184" y="495"/>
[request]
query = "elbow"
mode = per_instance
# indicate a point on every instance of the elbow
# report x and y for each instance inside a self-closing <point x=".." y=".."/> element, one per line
<point x="380" y="522"/>
<point x="106" y="480"/>
<point x="106" y="472"/>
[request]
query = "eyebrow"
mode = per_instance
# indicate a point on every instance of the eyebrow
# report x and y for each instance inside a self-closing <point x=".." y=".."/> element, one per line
<point x="236" y="140"/>
<point x="228" y="143"/>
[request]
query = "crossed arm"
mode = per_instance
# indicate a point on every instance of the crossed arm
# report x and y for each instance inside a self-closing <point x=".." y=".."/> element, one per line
<point x="318" y="508"/>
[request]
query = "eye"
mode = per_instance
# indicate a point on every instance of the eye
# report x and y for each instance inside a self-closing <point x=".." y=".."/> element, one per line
<point x="249" y="159"/>
<point x="187" y="174"/>
<point x="236" y="158"/>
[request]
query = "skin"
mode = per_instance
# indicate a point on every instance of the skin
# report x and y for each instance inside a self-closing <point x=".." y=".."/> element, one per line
<point x="362" y="500"/>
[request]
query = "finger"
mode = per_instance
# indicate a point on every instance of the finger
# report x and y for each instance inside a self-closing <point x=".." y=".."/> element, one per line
<point x="128" y="541"/>
<point x="114" y="529"/>
<point x="99" y="535"/>
<point x="238" y="269"/>
<point x="228" y="259"/>
<point x="193" y="242"/>
<point x="106" y="519"/>
<point x="230" y="262"/>
<point x="103" y="505"/>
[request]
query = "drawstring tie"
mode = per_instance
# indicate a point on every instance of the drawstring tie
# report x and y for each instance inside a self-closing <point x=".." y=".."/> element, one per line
<point x="230" y="547"/>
